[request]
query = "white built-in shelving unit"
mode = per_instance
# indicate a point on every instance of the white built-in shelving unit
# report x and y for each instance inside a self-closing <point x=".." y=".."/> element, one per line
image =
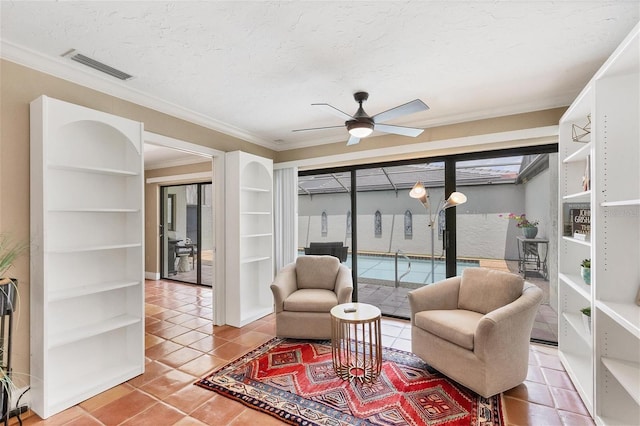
<point x="249" y="234"/>
<point x="604" y="364"/>
<point x="87" y="279"/>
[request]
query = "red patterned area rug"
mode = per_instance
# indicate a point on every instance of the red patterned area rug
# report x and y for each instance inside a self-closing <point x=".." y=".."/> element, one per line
<point x="294" y="381"/>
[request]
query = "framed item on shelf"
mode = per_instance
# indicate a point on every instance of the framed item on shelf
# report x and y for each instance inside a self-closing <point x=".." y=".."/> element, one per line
<point x="567" y="222"/>
<point x="580" y="223"/>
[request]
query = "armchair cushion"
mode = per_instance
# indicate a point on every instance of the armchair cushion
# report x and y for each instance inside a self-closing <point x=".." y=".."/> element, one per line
<point x="317" y="272"/>
<point x="484" y="290"/>
<point x="311" y="300"/>
<point x="456" y="326"/>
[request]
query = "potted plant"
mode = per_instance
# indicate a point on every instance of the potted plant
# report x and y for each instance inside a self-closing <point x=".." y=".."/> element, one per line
<point x="586" y="318"/>
<point x="585" y="270"/>
<point x="9" y="252"/>
<point x="529" y="227"/>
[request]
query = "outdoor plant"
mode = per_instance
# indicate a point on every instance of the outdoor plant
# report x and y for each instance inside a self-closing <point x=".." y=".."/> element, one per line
<point x="522" y="221"/>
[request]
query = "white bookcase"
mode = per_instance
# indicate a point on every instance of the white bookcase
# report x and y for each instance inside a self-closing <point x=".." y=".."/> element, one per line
<point x="604" y="364"/>
<point x="87" y="222"/>
<point x="249" y="234"/>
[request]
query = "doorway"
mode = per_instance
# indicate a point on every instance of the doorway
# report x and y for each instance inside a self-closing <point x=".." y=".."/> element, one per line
<point x="187" y="233"/>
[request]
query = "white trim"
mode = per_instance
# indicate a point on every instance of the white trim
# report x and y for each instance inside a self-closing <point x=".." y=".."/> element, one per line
<point x="180" y="145"/>
<point x="218" y="178"/>
<point x="176" y="163"/>
<point x="68" y="70"/>
<point x="155" y="276"/>
<point x="543" y="135"/>
<point x="181" y="178"/>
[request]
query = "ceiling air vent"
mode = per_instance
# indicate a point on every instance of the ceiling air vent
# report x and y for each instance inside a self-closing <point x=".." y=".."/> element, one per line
<point x="96" y="65"/>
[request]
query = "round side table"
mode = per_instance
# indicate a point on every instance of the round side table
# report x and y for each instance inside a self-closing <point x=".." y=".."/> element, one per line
<point x="356" y="341"/>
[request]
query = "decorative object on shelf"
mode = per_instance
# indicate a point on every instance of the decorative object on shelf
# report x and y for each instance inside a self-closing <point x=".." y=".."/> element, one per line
<point x="586" y="178"/>
<point x="580" y="223"/>
<point x="324" y="226"/>
<point x="581" y="133"/>
<point x="586" y="318"/>
<point x="419" y="192"/>
<point x="529" y="227"/>
<point x="585" y="271"/>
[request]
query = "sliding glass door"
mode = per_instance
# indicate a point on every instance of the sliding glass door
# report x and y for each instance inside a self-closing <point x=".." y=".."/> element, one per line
<point x="186" y="237"/>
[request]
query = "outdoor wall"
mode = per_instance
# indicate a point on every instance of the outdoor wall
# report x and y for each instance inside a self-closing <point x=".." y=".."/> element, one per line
<point x="482" y="233"/>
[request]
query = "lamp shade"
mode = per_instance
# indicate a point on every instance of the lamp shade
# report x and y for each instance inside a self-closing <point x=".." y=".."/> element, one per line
<point x="419" y="192"/>
<point x="359" y="129"/>
<point x="454" y="199"/>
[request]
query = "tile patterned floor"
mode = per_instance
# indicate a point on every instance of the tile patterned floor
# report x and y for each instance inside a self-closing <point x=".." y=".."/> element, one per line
<point x="182" y="345"/>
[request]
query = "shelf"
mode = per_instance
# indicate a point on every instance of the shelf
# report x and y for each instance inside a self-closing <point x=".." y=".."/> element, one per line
<point x="92" y="210"/>
<point x="253" y="189"/>
<point x="577" y="283"/>
<point x="625" y="314"/>
<point x="255" y="259"/>
<point x="97" y="170"/>
<point x="574" y="240"/>
<point x="90" y="289"/>
<point x="579" y="370"/>
<point x="76" y="389"/>
<point x="621" y="203"/>
<point x="575" y="320"/>
<point x="627" y="373"/>
<point x="256" y="213"/>
<point x="256" y="235"/>
<point x="85" y="332"/>
<point x="578" y="196"/>
<point x="94" y="248"/>
<point x="579" y="155"/>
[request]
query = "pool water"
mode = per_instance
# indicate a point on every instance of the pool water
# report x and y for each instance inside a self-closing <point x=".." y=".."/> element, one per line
<point x="383" y="268"/>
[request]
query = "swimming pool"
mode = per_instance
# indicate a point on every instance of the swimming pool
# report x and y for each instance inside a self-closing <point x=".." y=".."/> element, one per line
<point x="376" y="268"/>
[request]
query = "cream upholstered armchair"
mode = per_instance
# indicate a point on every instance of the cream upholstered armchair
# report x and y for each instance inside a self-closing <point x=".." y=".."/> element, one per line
<point x="304" y="293"/>
<point x="475" y="328"/>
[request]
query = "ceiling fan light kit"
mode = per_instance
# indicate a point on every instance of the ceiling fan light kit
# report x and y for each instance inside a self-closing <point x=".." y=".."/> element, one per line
<point x="360" y="125"/>
<point x="359" y="129"/>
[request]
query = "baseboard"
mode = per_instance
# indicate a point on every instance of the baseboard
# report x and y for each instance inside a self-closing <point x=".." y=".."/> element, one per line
<point x="152" y="275"/>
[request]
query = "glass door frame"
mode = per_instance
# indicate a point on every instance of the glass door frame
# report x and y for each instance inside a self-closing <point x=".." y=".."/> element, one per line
<point x="162" y="234"/>
<point x="449" y="184"/>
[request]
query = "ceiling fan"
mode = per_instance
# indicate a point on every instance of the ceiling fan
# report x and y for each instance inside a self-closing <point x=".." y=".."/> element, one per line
<point x="360" y="125"/>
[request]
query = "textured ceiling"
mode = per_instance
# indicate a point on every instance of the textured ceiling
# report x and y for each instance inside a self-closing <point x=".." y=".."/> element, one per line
<point x="253" y="68"/>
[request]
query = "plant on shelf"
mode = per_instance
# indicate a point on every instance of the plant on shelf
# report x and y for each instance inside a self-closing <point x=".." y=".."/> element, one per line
<point x="585" y="270"/>
<point x="529" y="227"/>
<point x="586" y="318"/>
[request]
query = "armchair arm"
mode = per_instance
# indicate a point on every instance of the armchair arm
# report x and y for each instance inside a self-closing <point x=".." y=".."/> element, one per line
<point x="508" y="327"/>
<point x="440" y="295"/>
<point x="283" y="285"/>
<point x="344" y="285"/>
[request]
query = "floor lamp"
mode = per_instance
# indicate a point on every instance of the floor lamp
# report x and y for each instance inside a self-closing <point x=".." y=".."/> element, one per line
<point x="419" y="192"/>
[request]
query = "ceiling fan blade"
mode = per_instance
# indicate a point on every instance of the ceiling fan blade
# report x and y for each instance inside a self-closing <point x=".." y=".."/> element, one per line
<point x="398" y="130"/>
<point x="353" y="140"/>
<point x="319" y="128"/>
<point x="409" y="108"/>
<point x="335" y="111"/>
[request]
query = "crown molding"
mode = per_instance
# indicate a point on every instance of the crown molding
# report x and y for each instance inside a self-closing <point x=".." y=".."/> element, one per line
<point x="75" y="73"/>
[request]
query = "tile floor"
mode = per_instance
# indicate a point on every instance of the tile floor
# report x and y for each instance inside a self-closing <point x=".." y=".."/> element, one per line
<point x="182" y="345"/>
